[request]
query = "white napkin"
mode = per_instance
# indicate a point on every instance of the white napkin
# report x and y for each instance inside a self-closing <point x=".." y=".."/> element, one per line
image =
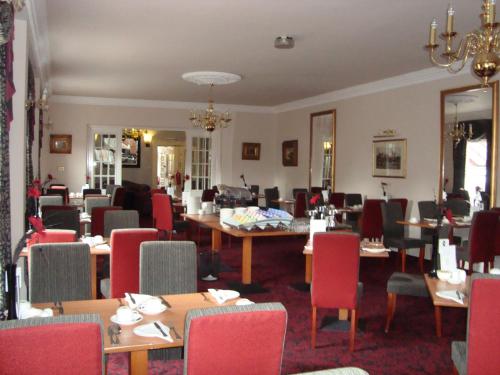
<point x="84" y="215"/>
<point x="221" y="296"/>
<point x="93" y="241"/>
<point x="453" y="295"/>
<point x="103" y="247"/>
<point x="138" y="298"/>
<point x="150" y="330"/>
<point x="33" y="312"/>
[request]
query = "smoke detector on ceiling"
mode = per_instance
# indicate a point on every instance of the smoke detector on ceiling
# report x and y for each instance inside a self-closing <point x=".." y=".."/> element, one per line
<point x="284" y="42"/>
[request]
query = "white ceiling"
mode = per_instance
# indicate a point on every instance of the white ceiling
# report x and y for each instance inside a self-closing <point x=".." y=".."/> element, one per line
<point x="138" y="49"/>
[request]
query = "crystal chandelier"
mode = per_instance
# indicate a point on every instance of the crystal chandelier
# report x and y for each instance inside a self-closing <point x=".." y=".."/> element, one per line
<point x="132" y="133"/>
<point x="458" y="131"/>
<point x="482" y="44"/>
<point x="210" y="119"/>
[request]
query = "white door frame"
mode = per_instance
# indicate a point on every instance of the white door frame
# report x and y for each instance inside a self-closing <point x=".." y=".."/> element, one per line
<point x="99" y="129"/>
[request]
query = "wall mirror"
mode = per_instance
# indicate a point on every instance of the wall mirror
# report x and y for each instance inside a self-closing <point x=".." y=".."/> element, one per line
<point x="322" y="150"/>
<point x="469" y="131"/>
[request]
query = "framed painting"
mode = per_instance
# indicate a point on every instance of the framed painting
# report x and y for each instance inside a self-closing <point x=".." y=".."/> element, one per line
<point x="60" y="143"/>
<point x="290" y="153"/>
<point x="131" y="152"/>
<point x="389" y="158"/>
<point x="250" y="151"/>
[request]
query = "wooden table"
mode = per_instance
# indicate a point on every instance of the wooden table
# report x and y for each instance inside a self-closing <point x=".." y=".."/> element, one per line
<point x="435" y="285"/>
<point x="212" y="221"/>
<point x="94" y="252"/>
<point x="138" y="346"/>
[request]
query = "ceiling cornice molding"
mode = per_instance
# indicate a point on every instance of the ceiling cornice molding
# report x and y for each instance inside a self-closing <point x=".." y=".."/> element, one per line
<point x="141" y="103"/>
<point x="403" y="80"/>
<point x="38" y="39"/>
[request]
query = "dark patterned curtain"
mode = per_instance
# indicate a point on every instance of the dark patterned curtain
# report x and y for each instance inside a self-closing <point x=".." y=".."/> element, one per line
<point x="6" y="93"/>
<point x="30" y="137"/>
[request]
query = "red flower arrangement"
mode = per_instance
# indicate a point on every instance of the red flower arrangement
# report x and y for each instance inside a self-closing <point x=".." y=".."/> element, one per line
<point x="186" y="177"/>
<point x="314" y="200"/>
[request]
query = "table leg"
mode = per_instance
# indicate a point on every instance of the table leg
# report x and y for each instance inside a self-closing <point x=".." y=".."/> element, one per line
<point x="308" y="276"/>
<point x="216" y="240"/>
<point x="93" y="275"/>
<point x="437" y="316"/>
<point x="343" y="314"/>
<point x="139" y="362"/>
<point x="246" y="261"/>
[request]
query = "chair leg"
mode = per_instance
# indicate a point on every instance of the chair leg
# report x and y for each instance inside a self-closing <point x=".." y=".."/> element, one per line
<point x="391" y="308"/>
<point x="313" y="327"/>
<point x="403" y="260"/>
<point x="354" y="326"/>
<point x="421" y="258"/>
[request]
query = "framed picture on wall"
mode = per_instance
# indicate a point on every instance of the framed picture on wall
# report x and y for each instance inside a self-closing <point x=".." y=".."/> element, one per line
<point x="389" y="158"/>
<point x="290" y="153"/>
<point x="60" y="143"/>
<point x="131" y="152"/>
<point x="250" y="151"/>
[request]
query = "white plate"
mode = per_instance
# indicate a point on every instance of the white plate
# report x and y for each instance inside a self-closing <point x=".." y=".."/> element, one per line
<point x="138" y="318"/>
<point x="149" y="330"/>
<point x="151" y="312"/>
<point x="375" y="251"/>
<point x="228" y="294"/>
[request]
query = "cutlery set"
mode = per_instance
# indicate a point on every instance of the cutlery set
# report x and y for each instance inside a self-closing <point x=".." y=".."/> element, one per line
<point x="58" y="305"/>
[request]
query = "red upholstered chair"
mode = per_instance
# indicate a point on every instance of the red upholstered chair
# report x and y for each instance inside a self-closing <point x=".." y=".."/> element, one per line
<point x="479" y="354"/>
<point x="337" y="199"/>
<point x="118" y="198"/>
<point x="67" y="344"/>
<point x="371" y="219"/>
<point x="335" y="276"/>
<point x="227" y="340"/>
<point x="162" y="214"/>
<point x="52" y="236"/>
<point x="300" y="205"/>
<point x="97" y="224"/>
<point x="403" y="202"/>
<point x="124" y="259"/>
<point x="208" y="195"/>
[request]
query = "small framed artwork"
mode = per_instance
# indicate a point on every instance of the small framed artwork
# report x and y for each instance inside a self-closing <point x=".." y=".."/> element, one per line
<point x="250" y="151"/>
<point x="131" y="151"/>
<point x="290" y="153"/>
<point x="60" y="143"/>
<point x="389" y="158"/>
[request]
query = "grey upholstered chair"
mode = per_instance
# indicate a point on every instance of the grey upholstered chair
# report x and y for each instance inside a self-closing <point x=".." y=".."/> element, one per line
<point x="458" y="207"/>
<point x="427" y="210"/>
<point x="50" y="200"/>
<point x="91" y="202"/>
<point x="121" y="219"/>
<point x="58" y="354"/>
<point x="232" y="330"/>
<point x="167" y="267"/>
<point x="59" y="272"/>
<point x="110" y="189"/>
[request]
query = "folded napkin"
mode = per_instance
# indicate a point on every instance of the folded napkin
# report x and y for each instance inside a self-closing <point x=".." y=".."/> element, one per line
<point x="33" y="312"/>
<point x="84" y="215"/>
<point x="103" y="247"/>
<point x="93" y="241"/>
<point x="221" y="296"/>
<point x="374" y="249"/>
<point x="154" y="329"/>
<point x="453" y="295"/>
<point x="138" y="299"/>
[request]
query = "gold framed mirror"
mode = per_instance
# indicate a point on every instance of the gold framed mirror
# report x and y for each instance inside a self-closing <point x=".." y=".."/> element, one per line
<point x="469" y="131"/>
<point x="322" y="150"/>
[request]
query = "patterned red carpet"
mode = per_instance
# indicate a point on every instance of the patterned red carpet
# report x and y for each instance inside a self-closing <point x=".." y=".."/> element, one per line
<point x="411" y="346"/>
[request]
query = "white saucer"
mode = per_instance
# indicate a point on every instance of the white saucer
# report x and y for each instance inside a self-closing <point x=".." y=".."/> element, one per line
<point x="153" y="312"/>
<point x="244" y="302"/>
<point x="114" y="319"/>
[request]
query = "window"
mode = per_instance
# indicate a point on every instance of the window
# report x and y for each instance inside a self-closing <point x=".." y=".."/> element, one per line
<point x="201" y="163"/>
<point x="104" y="160"/>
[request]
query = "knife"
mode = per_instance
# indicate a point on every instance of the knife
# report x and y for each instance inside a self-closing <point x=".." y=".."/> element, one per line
<point x="459" y="296"/>
<point x="160" y="329"/>
<point x="131" y="298"/>
<point x="165" y="302"/>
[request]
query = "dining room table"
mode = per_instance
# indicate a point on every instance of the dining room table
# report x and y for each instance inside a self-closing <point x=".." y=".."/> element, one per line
<point x="124" y="340"/>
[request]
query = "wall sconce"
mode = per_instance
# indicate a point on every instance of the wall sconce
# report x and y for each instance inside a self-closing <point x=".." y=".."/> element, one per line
<point x="327" y="145"/>
<point x="41" y="103"/>
<point x="147" y="137"/>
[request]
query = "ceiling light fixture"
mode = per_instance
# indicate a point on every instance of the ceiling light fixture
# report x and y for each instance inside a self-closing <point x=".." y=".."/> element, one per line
<point x="483" y="44"/>
<point x="284" y="42"/>
<point x="132" y="133"/>
<point x="458" y="131"/>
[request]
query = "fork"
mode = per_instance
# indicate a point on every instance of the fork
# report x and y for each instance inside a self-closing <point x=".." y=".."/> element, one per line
<point x="172" y="328"/>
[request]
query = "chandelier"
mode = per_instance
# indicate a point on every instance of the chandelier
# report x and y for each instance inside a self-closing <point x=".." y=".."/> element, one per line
<point x="132" y="133"/>
<point x="482" y="44"/>
<point x="458" y="131"/>
<point x="210" y="119"/>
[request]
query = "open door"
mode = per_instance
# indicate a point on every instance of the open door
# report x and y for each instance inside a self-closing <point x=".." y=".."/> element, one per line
<point x="104" y="150"/>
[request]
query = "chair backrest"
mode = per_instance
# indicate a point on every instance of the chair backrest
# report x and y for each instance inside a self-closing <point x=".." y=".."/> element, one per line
<point x="270" y="195"/>
<point x="110" y="189"/>
<point x="49" y="208"/>
<point x="483" y="332"/>
<point x="427" y="210"/>
<point x="118" y="197"/>
<point x="59" y="272"/>
<point x="300" y="205"/>
<point x="63" y="219"/>
<point x="392" y="212"/>
<point x="482" y="236"/>
<point x="52" y="236"/>
<point x="97" y="223"/>
<point x="91" y="191"/>
<point x="298" y="190"/>
<point x="335" y="271"/>
<point x="233" y="331"/>
<point x="163" y="212"/>
<point x="371" y="219"/>
<point x="65" y="344"/>
<point x="403" y="202"/>
<point x="59" y="190"/>
<point x="208" y="195"/>
<point x="120" y="219"/>
<point x="254" y="189"/>
<point x="124" y="258"/>
<point x="158" y="191"/>
<point x="458" y="207"/>
<point x="316" y="189"/>
<point x="337" y="199"/>
<point x="352" y="199"/>
<point x="92" y="201"/>
<point x="167" y="267"/>
<point x="50" y="200"/>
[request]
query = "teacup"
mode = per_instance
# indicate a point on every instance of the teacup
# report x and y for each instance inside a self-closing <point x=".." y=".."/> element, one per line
<point x="125" y="314"/>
